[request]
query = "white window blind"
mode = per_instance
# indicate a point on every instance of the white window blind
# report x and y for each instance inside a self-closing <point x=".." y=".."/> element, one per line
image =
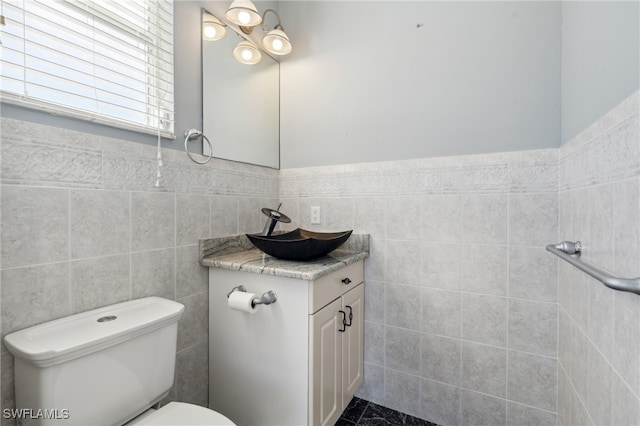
<point x="108" y="61"/>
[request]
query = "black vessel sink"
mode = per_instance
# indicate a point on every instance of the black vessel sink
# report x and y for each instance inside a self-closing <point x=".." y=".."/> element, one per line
<point x="299" y="244"/>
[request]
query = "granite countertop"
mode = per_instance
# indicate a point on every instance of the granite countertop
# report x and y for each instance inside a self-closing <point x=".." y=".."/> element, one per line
<point x="238" y="254"/>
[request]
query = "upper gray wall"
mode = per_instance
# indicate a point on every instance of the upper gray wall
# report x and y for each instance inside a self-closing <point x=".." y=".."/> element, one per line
<point x="600" y="60"/>
<point x="481" y="76"/>
<point x="372" y="81"/>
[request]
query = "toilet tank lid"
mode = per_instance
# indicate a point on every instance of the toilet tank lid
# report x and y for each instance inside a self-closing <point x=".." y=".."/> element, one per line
<point x="80" y="334"/>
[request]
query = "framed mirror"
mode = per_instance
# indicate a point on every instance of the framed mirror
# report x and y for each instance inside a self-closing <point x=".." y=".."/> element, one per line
<point x="240" y="102"/>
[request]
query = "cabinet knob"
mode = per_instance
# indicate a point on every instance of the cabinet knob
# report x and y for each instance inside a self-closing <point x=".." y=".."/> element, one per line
<point x="346" y="281"/>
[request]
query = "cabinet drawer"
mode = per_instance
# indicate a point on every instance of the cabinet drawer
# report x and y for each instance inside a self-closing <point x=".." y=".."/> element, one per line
<point x="329" y="287"/>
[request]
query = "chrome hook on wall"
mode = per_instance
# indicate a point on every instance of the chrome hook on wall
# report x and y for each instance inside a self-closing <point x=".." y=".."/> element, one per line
<point x="192" y="134"/>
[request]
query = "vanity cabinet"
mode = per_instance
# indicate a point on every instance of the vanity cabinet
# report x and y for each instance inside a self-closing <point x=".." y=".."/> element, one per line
<point x="336" y="356"/>
<point x="297" y="361"/>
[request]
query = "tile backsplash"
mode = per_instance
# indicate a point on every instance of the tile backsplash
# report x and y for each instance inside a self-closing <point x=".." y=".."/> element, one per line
<point x="84" y="226"/>
<point x="599" y="328"/>
<point x="468" y="319"/>
<point x="461" y="298"/>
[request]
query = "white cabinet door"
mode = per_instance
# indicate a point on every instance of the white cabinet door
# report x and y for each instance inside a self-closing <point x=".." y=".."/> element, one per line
<point x="325" y="400"/>
<point x="352" y="343"/>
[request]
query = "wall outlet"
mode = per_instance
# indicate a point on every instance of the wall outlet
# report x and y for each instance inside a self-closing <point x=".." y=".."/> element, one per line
<point x="315" y="215"/>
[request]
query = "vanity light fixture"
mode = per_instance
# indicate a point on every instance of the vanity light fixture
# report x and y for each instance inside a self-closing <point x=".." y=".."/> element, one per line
<point x="212" y="28"/>
<point x="244" y="14"/>
<point x="276" y="41"/>
<point x="246" y="53"/>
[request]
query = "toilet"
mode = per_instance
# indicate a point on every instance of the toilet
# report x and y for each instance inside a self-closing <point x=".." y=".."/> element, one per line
<point x="108" y="366"/>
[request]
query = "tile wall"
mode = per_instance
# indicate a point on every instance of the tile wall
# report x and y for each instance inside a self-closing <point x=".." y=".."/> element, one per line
<point x="461" y="298"/>
<point x="599" y="352"/>
<point x="83" y="226"/>
<point x="462" y="301"/>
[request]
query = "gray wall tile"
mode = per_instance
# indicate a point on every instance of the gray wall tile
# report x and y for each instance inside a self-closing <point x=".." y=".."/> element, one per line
<point x="34" y="294"/>
<point x="45" y="163"/>
<point x="401" y="258"/>
<point x="153" y="274"/>
<point x="370" y="216"/>
<point x="193" y="327"/>
<point x="600" y="376"/>
<point x="100" y="223"/>
<point x="626" y="338"/>
<point x="626" y="405"/>
<point x="484" y="319"/>
<point x="484" y="269"/>
<point x="374" y="343"/>
<point x="440" y="359"/>
<point x="153" y="218"/>
<point x="402" y="392"/>
<point x="479" y="409"/>
<point x="441" y="312"/>
<point x="442" y="218"/>
<point x="533" y="219"/>
<point x="484" y="219"/>
<point x="224" y="216"/>
<point x="484" y="369"/>
<point x="338" y="214"/>
<point x="441" y="265"/>
<point x="374" y="294"/>
<point x="372" y="388"/>
<point x="533" y="327"/>
<point x="402" y="351"/>
<point x="532" y="380"/>
<point x="192" y="372"/>
<point x="600" y="322"/>
<point x="99" y="282"/>
<point x="250" y="217"/>
<point x="440" y="403"/>
<point x="7" y="384"/>
<point x="523" y="415"/>
<point x="403" y="306"/>
<point x="533" y="274"/>
<point x="192" y="218"/>
<point x="191" y="277"/>
<point x="599" y="206"/>
<point x="35" y="225"/>
<point x="65" y="208"/>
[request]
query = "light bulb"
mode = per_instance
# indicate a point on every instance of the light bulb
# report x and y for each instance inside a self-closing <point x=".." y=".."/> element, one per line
<point x="244" y="17"/>
<point x="246" y="53"/>
<point x="212" y="28"/>
<point x="209" y="31"/>
<point x="277" y="44"/>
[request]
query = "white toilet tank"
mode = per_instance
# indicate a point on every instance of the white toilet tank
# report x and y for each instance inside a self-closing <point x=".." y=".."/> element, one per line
<point x="101" y="367"/>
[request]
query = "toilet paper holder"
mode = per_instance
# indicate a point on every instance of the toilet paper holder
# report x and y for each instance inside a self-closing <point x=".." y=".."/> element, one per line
<point x="266" y="299"/>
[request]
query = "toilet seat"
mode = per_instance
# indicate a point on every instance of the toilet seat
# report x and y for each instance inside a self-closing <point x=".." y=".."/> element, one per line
<point x="181" y="413"/>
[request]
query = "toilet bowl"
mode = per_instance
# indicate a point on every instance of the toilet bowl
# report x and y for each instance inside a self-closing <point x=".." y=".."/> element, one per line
<point x="107" y="366"/>
<point x="180" y="413"/>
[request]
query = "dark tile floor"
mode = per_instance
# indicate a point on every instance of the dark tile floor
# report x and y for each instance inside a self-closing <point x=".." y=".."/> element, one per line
<point x="364" y="413"/>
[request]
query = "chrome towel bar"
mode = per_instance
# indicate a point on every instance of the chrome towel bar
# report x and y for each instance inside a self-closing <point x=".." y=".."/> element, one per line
<point x="570" y="251"/>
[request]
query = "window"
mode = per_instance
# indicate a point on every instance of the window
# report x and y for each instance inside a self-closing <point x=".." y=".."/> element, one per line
<point x="108" y="61"/>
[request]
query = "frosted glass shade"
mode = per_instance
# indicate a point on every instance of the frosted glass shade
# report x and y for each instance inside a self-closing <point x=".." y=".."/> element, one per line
<point x="243" y="13"/>
<point x="247" y="53"/>
<point x="213" y="29"/>
<point x="277" y="42"/>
